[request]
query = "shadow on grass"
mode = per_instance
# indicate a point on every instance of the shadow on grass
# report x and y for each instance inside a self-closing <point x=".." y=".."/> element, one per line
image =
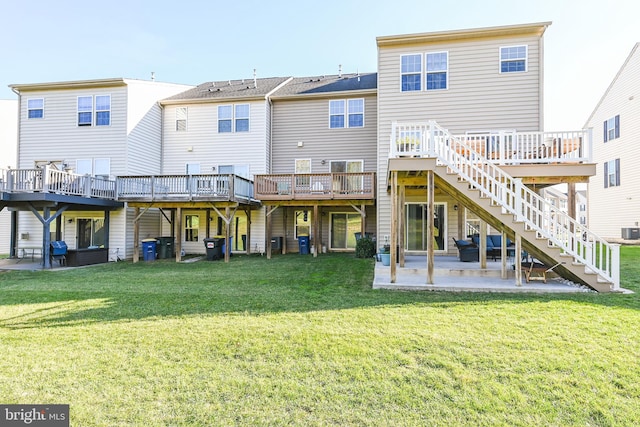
<point x="249" y="285"/>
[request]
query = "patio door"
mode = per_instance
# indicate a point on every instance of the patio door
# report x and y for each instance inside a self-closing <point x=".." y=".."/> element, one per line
<point x="416" y="227"/>
<point x="90" y="232"/>
<point x="344" y="227"/>
<point x="343" y="183"/>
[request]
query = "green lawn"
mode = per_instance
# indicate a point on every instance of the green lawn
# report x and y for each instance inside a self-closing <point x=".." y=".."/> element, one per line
<point x="303" y="341"/>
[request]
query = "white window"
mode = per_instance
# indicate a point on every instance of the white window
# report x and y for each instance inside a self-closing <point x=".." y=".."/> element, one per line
<point x="344" y="166"/>
<point x="513" y="59"/>
<point x="437" y="70"/>
<point x="192" y="168"/>
<point x="346" y="113"/>
<point x="612" y="173"/>
<point x="303" y="166"/>
<point x="35" y="108"/>
<point x="302" y="223"/>
<point x="85" y="110"/>
<point x="411" y="72"/>
<point x="612" y="128"/>
<point x="181" y="119"/>
<point x="233" y="118"/>
<point x="191" y="228"/>
<point x="102" y="109"/>
<point x="242" y="117"/>
<point x="99" y="167"/>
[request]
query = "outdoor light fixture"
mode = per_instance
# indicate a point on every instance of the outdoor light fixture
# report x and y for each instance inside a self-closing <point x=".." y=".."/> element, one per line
<point x="455" y="207"/>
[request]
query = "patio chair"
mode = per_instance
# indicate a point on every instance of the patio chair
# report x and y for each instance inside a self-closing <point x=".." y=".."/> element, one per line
<point x="467" y="251"/>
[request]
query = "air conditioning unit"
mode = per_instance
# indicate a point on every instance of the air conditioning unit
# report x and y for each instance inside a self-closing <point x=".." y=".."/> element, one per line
<point x="631" y="233"/>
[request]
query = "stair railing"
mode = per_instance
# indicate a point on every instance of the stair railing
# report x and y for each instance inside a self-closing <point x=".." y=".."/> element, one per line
<point x="539" y="215"/>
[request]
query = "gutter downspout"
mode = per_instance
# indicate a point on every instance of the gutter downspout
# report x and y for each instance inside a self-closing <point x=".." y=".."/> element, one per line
<point x="161" y="137"/>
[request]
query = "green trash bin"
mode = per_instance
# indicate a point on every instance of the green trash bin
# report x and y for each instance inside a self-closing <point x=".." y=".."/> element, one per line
<point x="166" y="247"/>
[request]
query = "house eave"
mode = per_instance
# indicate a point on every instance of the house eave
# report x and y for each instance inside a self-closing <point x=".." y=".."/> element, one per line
<point x="78" y="84"/>
<point x="325" y="95"/>
<point x="537" y="29"/>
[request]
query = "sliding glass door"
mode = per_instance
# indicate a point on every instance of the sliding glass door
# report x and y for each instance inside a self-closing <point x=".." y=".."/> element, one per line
<point x="416" y="227"/>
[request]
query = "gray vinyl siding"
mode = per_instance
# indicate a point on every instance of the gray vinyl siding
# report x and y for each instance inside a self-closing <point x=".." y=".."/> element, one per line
<point x="620" y="99"/>
<point x="201" y="143"/>
<point x="478" y="97"/>
<point x="308" y="121"/>
<point x="144" y="130"/>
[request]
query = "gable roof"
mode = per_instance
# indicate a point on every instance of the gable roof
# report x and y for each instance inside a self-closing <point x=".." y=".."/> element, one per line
<point x="216" y="91"/>
<point x="326" y="85"/>
<point x="613" y="82"/>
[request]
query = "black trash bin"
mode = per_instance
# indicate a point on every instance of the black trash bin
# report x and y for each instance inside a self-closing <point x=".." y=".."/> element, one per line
<point x="165" y="247"/>
<point x="213" y="246"/>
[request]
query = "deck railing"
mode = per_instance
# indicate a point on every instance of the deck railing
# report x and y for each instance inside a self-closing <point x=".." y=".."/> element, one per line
<point x="50" y="180"/>
<point x="501" y="147"/>
<point x="311" y="186"/>
<point x="538" y="214"/>
<point x="190" y="187"/>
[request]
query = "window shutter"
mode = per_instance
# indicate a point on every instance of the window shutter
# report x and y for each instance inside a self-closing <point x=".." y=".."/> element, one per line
<point x="617" y="168"/>
<point x="618" y="126"/>
<point x="605" y="131"/>
<point x="606" y="172"/>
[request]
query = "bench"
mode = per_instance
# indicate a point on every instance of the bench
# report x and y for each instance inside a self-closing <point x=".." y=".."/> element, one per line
<point x="529" y="268"/>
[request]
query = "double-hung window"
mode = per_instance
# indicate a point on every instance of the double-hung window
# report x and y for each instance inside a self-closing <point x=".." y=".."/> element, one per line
<point x="242" y="117"/>
<point x="181" y="119"/>
<point x="437" y="70"/>
<point x="411" y="72"/>
<point x="346" y="113"/>
<point x="612" y="173"/>
<point x="513" y="59"/>
<point x="612" y="128"/>
<point x="102" y="110"/>
<point x="85" y="110"/>
<point x="233" y="118"/>
<point x="35" y="108"/>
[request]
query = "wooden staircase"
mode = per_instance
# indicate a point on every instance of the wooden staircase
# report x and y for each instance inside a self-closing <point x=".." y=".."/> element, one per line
<point x="508" y="205"/>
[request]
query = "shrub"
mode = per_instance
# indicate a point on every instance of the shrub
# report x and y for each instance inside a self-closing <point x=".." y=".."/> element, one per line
<point x="365" y="248"/>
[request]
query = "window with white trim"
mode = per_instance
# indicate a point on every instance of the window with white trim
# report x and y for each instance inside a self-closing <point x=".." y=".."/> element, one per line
<point x="612" y="128"/>
<point x="437" y="70"/>
<point x="233" y="118"/>
<point x="85" y="110"/>
<point x="191" y="228"/>
<point x="302" y="222"/>
<point x="347" y="113"/>
<point x="612" y="173"/>
<point x="102" y="110"/>
<point x="181" y="119"/>
<point x="98" y="167"/>
<point x="302" y="166"/>
<point x="411" y="72"/>
<point x="35" y="108"/>
<point x="513" y="59"/>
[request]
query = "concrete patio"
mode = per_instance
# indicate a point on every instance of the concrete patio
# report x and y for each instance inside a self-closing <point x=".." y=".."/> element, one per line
<point x="452" y="275"/>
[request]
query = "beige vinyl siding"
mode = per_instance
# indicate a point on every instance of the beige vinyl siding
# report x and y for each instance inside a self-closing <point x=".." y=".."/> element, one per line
<point x="308" y="121"/>
<point x="278" y="223"/>
<point x="144" y="130"/>
<point x="621" y="99"/>
<point x="478" y="97"/>
<point x="57" y="136"/>
<point x="201" y="142"/>
<point x="8" y="145"/>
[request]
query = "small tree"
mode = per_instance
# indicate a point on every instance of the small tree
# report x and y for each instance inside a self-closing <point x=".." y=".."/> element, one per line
<point x="365" y="248"/>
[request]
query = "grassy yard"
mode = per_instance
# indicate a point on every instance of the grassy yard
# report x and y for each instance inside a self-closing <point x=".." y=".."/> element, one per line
<point x="303" y="341"/>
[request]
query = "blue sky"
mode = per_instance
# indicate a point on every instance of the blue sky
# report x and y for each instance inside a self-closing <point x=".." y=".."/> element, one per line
<point x="192" y="42"/>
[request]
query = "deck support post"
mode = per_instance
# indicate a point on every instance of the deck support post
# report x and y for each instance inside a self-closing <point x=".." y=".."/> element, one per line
<point x="316" y="231"/>
<point x="430" y="226"/>
<point x="394" y="225"/>
<point x="482" y="241"/>
<point x="518" y="259"/>
<point x="503" y="255"/>
<point x="136" y="235"/>
<point x="268" y="237"/>
<point x="178" y="228"/>
<point x="401" y="222"/>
